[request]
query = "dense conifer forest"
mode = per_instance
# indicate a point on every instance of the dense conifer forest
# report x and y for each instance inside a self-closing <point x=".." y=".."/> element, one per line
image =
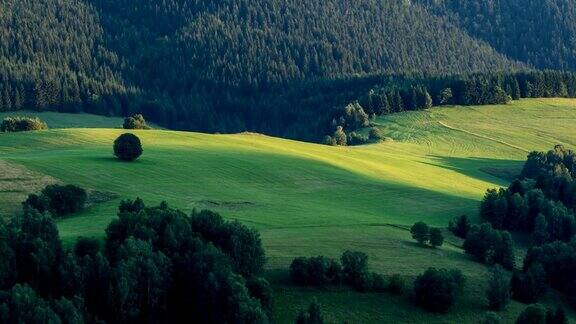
<point x="267" y="66"/>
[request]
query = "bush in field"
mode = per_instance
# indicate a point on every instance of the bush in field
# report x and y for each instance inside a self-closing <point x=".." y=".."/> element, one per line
<point x="420" y="232"/>
<point x="315" y="271"/>
<point x="460" y="226"/>
<point x="64" y="200"/>
<point x="436" y="237"/>
<point x="22" y="124"/>
<point x="59" y="200"/>
<point x="352" y="271"/>
<point x="127" y="147"/>
<point x="437" y="289"/>
<point x="135" y="122"/>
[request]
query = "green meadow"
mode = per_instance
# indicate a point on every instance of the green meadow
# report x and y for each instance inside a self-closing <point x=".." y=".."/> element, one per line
<point x="309" y="199"/>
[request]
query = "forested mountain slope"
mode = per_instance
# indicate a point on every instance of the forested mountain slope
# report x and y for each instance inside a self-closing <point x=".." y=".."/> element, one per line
<point x="537" y="32"/>
<point x="224" y="65"/>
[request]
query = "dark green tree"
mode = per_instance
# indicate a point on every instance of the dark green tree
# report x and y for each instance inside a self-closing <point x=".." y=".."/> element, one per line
<point x="420" y="232"/>
<point x="436" y="290"/>
<point x="499" y="290"/>
<point x="436" y="237"/>
<point x="127" y="147"/>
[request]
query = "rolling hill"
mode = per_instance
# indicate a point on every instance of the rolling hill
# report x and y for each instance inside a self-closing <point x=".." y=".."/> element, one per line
<point x="309" y="199"/>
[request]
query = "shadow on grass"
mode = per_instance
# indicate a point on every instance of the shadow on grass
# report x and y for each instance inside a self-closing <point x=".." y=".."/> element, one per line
<point x="498" y="171"/>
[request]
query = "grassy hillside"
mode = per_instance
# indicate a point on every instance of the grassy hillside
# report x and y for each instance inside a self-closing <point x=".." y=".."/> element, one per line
<point x="309" y="199"/>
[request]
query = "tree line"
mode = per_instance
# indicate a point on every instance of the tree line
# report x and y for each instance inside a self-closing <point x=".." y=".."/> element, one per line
<point x="271" y="66"/>
<point x="394" y="94"/>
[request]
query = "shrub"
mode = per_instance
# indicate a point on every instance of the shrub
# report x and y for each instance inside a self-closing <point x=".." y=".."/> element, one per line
<point x="329" y="140"/>
<point x="357" y="139"/>
<point x="315" y="271"/>
<point x="533" y="314"/>
<point x="375" y="134"/>
<point x="436" y="237"/>
<point x="127" y="147"/>
<point x="396" y="285"/>
<point x="460" y="226"/>
<point x="135" y="122"/>
<point x="499" y="290"/>
<point x="420" y="232"/>
<point x="58" y="200"/>
<point x="436" y="290"/>
<point x="22" y="124"/>
<point x="354" y="266"/>
<point x="64" y="200"/>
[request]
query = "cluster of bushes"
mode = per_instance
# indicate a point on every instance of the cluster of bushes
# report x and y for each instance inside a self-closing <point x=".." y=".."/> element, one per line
<point x="58" y="200"/>
<point x="490" y="246"/>
<point x="436" y="290"/>
<point x="22" y="124"/>
<point x="422" y="233"/>
<point x="352" y="270"/>
<point x="135" y="122"/>
<point x="157" y="265"/>
<point x="352" y="117"/>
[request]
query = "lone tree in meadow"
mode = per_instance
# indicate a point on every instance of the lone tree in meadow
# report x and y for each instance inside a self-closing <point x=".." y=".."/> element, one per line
<point x="127" y="147"/>
<point x="420" y="232"/>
